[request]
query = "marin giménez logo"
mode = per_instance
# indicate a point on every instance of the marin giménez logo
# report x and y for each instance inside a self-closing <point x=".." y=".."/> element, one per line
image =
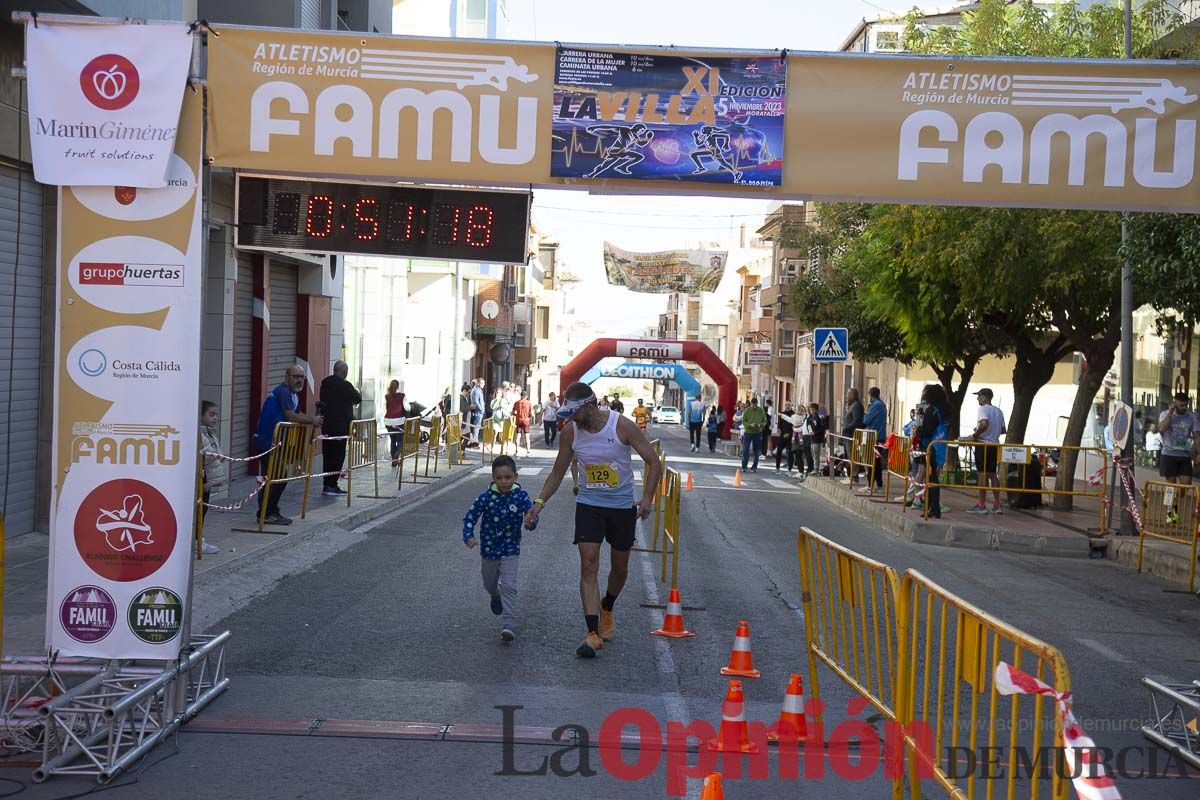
<point x="110" y="82"/>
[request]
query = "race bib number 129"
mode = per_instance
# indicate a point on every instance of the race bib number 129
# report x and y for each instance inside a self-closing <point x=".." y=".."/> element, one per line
<point x="601" y="476"/>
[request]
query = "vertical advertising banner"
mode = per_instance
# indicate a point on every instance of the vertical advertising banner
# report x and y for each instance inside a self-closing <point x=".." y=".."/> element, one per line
<point x="127" y="376"/>
<point x="654" y="117"/>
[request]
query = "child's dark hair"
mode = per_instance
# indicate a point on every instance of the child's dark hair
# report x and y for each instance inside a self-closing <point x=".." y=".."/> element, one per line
<point x="205" y="405"/>
<point x="504" y="461"/>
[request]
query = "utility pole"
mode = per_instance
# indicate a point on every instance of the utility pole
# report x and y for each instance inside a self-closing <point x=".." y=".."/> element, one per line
<point x="1127" y="527"/>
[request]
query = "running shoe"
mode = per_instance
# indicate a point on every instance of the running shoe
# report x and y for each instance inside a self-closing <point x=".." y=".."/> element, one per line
<point x="608" y="625"/>
<point x="997" y="509"/>
<point x="591" y="646"/>
<point x="209" y="549"/>
<point x="507" y="633"/>
<point x="277" y="519"/>
<point x="497" y="605"/>
<point x="978" y="509"/>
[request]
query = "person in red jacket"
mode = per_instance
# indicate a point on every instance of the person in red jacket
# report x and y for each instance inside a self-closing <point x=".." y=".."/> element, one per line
<point x="523" y="417"/>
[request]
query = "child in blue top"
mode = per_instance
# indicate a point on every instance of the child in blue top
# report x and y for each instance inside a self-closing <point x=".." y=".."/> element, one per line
<point x="502" y="508"/>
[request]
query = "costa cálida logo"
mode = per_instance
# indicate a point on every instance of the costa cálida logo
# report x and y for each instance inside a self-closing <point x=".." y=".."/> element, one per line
<point x="110" y="82"/>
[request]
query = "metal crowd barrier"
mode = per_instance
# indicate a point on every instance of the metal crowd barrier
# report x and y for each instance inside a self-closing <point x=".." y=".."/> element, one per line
<point x="434" y="445"/>
<point x="362" y="450"/>
<point x="455" y="444"/>
<point x="862" y="454"/>
<point x="410" y="447"/>
<point x="1020" y="457"/>
<point x="949" y="651"/>
<point x="850" y="619"/>
<point x="899" y="464"/>
<point x="659" y="491"/>
<point x="290" y="460"/>
<point x="508" y="432"/>
<point x="1171" y="512"/>
<point x="487" y="440"/>
<point x="671" y="525"/>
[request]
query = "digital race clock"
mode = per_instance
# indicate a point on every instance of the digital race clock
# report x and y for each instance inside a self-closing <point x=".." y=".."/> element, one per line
<point x="312" y="216"/>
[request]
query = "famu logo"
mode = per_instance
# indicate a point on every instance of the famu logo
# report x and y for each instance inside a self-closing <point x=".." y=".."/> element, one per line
<point x="1020" y="151"/>
<point x="155" y="615"/>
<point x="121" y="443"/>
<point x="111" y="273"/>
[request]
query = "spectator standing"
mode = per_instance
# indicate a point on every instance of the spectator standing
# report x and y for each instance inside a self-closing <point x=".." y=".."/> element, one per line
<point x="394" y="419"/>
<point x="478" y="406"/>
<point x="785" y="429"/>
<point x="988" y="428"/>
<point x="522" y="411"/>
<point x="501" y="410"/>
<point x="754" y="422"/>
<point x="804" y="425"/>
<point x="338" y="399"/>
<point x="281" y="405"/>
<point x="1154" y="444"/>
<point x="850" y="423"/>
<point x="875" y="419"/>
<point x="934" y="426"/>
<point x="216" y="468"/>
<point x="550" y="419"/>
<point x="695" y="420"/>
<point x="820" y="425"/>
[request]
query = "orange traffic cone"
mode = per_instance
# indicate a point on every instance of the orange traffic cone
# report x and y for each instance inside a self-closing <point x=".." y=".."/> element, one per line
<point x="791" y="725"/>
<point x="737" y="477"/>
<point x="689" y="485"/>
<point x="673" y="623"/>
<point x="712" y="788"/>
<point x="741" y="660"/>
<point x="734" y="736"/>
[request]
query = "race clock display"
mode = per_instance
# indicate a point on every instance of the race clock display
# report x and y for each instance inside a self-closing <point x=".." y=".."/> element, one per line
<point x="310" y="216"/>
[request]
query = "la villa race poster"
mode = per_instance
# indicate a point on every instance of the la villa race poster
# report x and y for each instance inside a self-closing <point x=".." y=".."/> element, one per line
<point x="690" y="119"/>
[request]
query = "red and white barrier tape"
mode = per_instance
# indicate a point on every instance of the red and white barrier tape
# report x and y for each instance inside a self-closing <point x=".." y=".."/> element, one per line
<point x="1131" y="493"/>
<point x="240" y="503"/>
<point x="223" y="457"/>
<point x="1090" y="780"/>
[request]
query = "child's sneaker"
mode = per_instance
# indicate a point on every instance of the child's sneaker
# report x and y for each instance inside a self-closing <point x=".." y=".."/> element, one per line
<point x="507" y="633"/>
<point x="978" y="509"/>
<point x="497" y="605"/>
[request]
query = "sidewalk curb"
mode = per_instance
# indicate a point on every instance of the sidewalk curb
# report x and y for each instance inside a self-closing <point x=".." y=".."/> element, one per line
<point x="912" y="528"/>
<point x="1160" y="563"/>
<point x="349" y="521"/>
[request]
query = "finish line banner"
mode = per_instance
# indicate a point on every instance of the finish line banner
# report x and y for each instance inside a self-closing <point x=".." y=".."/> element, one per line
<point x="940" y="130"/>
<point x="127" y="378"/>
<point x="659" y="117"/>
<point x="664" y="271"/>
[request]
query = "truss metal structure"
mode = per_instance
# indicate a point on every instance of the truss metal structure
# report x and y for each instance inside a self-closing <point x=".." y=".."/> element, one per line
<point x="1175" y="718"/>
<point x="97" y="718"/>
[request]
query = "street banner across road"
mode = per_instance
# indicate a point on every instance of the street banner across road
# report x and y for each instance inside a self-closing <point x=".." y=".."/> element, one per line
<point x="668" y="117"/>
<point x="127" y="376"/>
<point x="104" y="101"/>
<point x="664" y="271"/>
<point x="946" y="130"/>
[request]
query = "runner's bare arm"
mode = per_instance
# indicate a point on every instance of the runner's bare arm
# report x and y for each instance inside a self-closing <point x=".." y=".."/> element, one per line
<point x="566" y="456"/>
<point x="630" y="434"/>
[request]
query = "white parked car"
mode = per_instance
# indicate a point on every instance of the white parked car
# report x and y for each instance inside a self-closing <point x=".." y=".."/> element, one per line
<point x="666" y="414"/>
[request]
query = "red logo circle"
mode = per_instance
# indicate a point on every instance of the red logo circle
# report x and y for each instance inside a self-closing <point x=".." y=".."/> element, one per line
<point x="110" y="82"/>
<point x="125" y="530"/>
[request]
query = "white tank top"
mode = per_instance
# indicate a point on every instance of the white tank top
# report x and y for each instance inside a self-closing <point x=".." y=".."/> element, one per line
<point x="605" y="466"/>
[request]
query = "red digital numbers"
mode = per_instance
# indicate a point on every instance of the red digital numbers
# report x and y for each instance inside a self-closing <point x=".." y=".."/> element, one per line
<point x="451" y="226"/>
<point x="400" y="224"/>
<point x="366" y="224"/>
<point x="318" y="221"/>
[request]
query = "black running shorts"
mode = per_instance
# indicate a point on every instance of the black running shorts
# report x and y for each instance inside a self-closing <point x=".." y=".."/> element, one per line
<point x="1175" y="466"/>
<point x="596" y="524"/>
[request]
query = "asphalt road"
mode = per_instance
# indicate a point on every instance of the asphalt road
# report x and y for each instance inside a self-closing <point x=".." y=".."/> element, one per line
<point x="396" y="628"/>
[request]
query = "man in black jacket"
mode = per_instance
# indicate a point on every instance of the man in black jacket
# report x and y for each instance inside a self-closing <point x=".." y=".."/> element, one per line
<point x="338" y="399"/>
<point x="850" y="423"/>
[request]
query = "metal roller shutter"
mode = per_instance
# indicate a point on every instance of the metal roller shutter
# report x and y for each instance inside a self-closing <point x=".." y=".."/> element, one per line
<point x="20" y="344"/>
<point x="243" y="358"/>
<point x="281" y="352"/>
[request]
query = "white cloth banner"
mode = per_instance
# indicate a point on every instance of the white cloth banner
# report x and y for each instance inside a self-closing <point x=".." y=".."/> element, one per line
<point x="104" y="101"/>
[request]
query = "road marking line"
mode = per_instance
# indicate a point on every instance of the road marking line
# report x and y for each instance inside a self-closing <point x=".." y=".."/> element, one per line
<point x="1105" y="651"/>
<point x="778" y="484"/>
<point x="725" y="479"/>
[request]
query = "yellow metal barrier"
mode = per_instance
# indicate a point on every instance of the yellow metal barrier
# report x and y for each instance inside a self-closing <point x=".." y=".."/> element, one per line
<point x="862" y="454"/>
<point x="508" y="432"/>
<point x="899" y="464"/>
<point x="656" y="527"/>
<point x="410" y="447"/>
<point x="850" y="619"/>
<point x="434" y="445"/>
<point x="487" y="440"/>
<point x="362" y="450"/>
<point x="290" y="460"/>
<point x="455" y="451"/>
<point x="1095" y="462"/>
<point x="837" y="462"/>
<point x="198" y="542"/>
<point x="671" y="527"/>
<point x="1171" y="512"/>
<point x="946" y="696"/>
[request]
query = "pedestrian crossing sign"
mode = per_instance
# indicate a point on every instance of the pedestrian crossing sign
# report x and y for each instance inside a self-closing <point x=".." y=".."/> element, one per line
<point x="831" y="345"/>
